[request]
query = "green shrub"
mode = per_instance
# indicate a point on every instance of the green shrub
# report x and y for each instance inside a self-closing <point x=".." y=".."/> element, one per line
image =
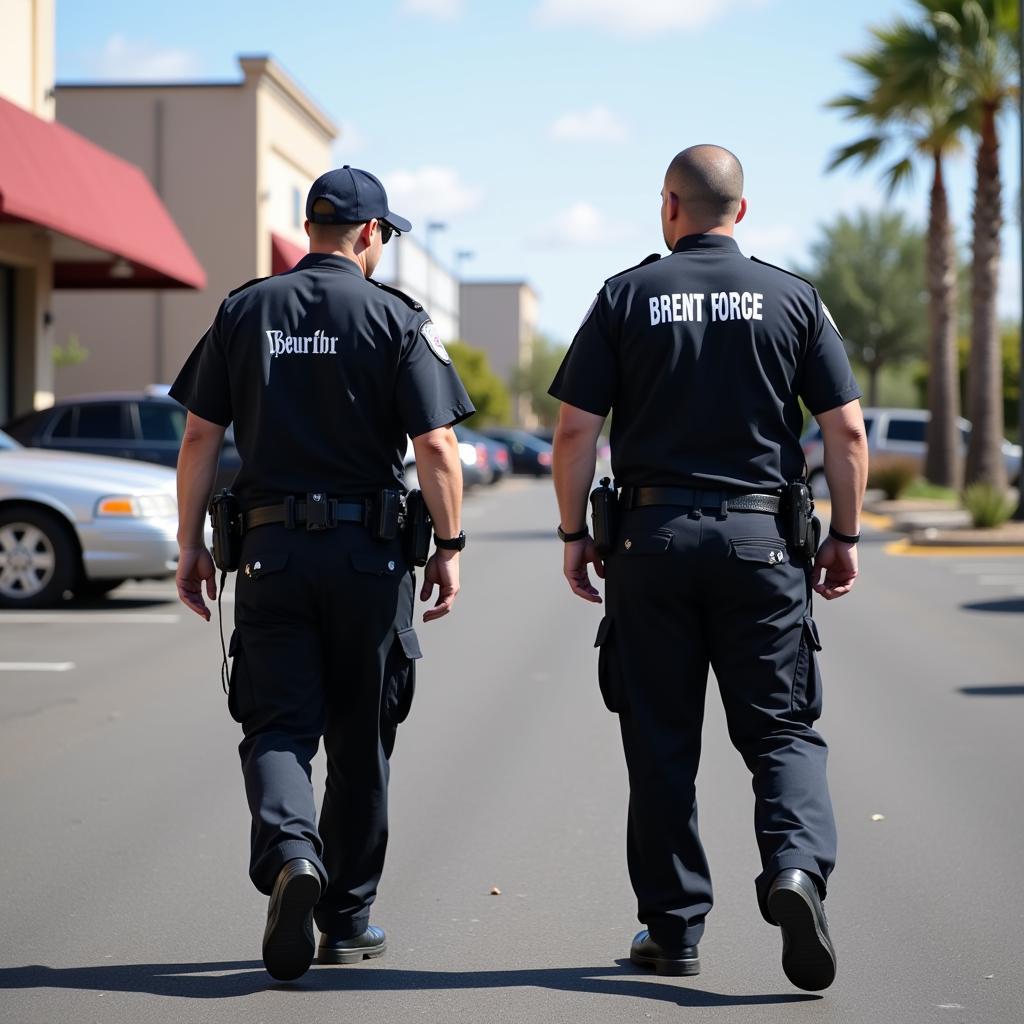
<point x="922" y="489"/>
<point x="893" y="476"/>
<point x="988" y="505"/>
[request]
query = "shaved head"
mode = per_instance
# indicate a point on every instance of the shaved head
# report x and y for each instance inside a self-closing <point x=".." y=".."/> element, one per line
<point x="708" y="180"/>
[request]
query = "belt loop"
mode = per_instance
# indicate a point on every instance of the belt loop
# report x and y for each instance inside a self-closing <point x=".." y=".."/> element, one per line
<point x="289" y="512"/>
<point x="724" y="510"/>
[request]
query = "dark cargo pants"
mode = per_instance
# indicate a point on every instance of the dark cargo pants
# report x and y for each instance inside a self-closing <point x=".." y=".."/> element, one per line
<point x="323" y="646"/>
<point x="684" y="592"/>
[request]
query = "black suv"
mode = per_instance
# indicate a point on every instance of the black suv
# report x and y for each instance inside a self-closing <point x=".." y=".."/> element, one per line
<point x="145" y="425"/>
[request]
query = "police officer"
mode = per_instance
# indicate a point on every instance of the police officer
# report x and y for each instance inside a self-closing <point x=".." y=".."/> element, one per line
<point x="704" y="357"/>
<point x="324" y="373"/>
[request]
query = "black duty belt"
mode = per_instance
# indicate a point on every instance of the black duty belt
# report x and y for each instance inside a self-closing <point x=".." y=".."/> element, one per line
<point x="324" y="514"/>
<point x="690" y="497"/>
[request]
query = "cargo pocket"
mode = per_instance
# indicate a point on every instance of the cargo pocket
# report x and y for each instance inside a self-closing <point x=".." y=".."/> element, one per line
<point x="264" y="565"/>
<point x="632" y="545"/>
<point x="806" y="697"/>
<point x="400" y="677"/>
<point x="609" y="675"/>
<point x="762" y="550"/>
<point x="235" y="676"/>
<point x="376" y="563"/>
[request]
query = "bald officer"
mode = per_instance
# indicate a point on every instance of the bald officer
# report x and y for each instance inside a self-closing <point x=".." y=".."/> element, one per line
<point x="325" y="374"/>
<point x="704" y="357"/>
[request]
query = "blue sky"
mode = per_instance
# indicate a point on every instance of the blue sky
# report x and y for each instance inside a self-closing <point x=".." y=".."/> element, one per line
<point x="539" y="130"/>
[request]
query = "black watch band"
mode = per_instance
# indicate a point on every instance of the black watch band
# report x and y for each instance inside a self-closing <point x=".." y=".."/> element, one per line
<point x="453" y="543"/>
<point x="568" y="538"/>
<point x="844" y="537"/>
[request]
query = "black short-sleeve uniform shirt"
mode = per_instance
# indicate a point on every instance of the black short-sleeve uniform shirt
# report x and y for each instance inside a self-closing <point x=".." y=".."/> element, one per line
<point x="703" y="356"/>
<point x="324" y="375"/>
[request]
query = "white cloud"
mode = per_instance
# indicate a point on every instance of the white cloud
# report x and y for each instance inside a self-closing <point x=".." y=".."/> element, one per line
<point x="580" y="224"/>
<point x="127" y="59"/>
<point x="446" y="9"/>
<point x="637" y="17"/>
<point x="598" y="124"/>
<point x="430" y="191"/>
<point x="350" y="142"/>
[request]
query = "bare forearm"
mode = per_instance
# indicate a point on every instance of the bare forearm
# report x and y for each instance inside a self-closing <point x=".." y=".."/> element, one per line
<point x="440" y="475"/>
<point x="575" y="461"/>
<point x="197" y="469"/>
<point x="846" y="470"/>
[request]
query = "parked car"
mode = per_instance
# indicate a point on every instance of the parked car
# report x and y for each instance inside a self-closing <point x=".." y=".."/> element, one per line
<point x="143" y="425"/>
<point x="529" y="454"/>
<point x="80" y="523"/>
<point x="896" y="434"/>
<point x="492" y="456"/>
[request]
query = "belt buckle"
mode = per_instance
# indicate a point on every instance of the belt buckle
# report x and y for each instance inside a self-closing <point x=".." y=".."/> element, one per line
<point x="318" y="512"/>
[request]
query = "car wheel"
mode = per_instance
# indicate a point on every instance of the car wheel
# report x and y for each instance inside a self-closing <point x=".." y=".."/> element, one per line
<point x="818" y="485"/>
<point x="38" y="558"/>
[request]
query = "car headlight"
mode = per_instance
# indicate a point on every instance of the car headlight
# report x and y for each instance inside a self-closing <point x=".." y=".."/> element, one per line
<point x="137" y="506"/>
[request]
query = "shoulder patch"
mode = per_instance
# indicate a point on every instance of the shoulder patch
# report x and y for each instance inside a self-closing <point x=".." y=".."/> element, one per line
<point x="407" y="299"/>
<point x="433" y="340"/>
<point x="765" y="263"/>
<point x="643" y="263"/>
<point x="248" y="284"/>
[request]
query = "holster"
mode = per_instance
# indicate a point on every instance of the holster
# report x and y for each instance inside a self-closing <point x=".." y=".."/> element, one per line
<point x="384" y="514"/>
<point x="226" y="520"/>
<point x="417" y="526"/>
<point x="803" y="527"/>
<point x="604" y="515"/>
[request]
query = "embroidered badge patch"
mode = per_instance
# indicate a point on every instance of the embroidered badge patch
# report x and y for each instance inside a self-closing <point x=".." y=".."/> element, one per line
<point x="433" y="339"/>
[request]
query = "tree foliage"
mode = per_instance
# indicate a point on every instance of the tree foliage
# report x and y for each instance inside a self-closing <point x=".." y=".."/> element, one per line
<point x="533" y="380"/>
<point x="486" y="390"/>
<point x="870" y="271"/>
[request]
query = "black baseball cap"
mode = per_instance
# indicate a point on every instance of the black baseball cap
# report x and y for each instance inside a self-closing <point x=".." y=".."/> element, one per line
<point x="357" y="196"/>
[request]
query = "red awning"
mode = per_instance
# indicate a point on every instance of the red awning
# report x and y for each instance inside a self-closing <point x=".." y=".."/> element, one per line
<point x="53" y="177"/>
<point x="283" y="254"/>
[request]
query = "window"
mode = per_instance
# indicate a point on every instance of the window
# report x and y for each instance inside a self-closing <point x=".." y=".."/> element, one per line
<point x="906" y="430"/>
<point x="296" y="208"/>
<point x="64" y="425"/>
<point x="161" y="421"/>
<point x="868" y="421"/>
<point x="103" y="421"/>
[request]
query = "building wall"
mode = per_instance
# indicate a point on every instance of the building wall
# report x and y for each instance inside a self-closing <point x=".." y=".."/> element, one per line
<point x="226" y="160"/>
<point x="406" y="265"/>
<point x="26" y="54"/>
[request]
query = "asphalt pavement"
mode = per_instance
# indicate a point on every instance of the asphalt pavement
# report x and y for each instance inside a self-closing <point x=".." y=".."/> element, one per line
<point x="123" y="826"/>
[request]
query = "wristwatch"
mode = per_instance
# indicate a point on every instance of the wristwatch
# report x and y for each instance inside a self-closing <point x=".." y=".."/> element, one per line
<point x="452" y="544"/>
<point x="568" y="538"/>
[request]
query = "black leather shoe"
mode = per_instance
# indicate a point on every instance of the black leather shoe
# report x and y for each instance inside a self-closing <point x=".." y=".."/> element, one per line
<point x="808" y="957"/>
<point x="371" y="944"/>
<point x="680" y="961"/>
<point x="288" y="943"/>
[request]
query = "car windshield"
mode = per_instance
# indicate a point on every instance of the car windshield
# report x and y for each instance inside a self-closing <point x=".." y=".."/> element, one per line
<point x="7" y="443"/>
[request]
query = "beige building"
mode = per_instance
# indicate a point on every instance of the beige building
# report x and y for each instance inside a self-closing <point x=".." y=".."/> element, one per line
<point x="71" y="214"/>
<point x="501" y="318"/>
<point x="233" y="163"/>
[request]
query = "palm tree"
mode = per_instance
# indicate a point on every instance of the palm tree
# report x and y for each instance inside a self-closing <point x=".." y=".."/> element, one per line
<point x="919" y="112"/>
<point x="979" y="55"/>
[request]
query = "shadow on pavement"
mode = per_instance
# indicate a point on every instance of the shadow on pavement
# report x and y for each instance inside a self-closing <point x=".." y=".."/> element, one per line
<point x="1004" y="604"/>
<point x="205" y="981"/>
<point x="997" y="690"/>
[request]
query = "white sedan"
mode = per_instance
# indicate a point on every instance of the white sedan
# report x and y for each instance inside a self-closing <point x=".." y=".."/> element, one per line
<point x="80" y="523"/>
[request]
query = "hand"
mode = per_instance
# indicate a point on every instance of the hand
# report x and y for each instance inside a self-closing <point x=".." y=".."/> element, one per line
<point x="195" y="565"/>
<point x="578" y="555"/>
<point x="839" y="561"/>
<point x="442" y="571"/>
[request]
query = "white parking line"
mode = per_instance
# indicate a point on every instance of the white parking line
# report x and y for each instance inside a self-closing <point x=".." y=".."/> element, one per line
<point x="85" y="618"/>
<point x="36" y="666"/>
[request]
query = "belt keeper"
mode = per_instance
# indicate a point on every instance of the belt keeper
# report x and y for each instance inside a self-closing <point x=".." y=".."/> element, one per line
<point x="724" y="511"/>
<point x="289" y="512"/>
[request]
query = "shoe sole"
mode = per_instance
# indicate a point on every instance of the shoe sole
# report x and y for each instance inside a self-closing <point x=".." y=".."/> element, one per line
<point x="288" y="943"/>
<point x="351" y="956"/>
<point x="667" y="968"/>
<point x="808" y="959"/>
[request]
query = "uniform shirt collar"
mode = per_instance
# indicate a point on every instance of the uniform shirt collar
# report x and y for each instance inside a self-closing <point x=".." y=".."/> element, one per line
<point x="723" y="243"/>
<point x="329" y="260"/>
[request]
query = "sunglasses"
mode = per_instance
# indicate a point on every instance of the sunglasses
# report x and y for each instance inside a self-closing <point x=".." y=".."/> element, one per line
<point x="386" y="231"/>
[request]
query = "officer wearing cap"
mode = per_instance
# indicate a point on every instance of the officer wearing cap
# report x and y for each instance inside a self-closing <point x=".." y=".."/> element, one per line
<point x="704" y="356"/>
<point x="324" y="374"/>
